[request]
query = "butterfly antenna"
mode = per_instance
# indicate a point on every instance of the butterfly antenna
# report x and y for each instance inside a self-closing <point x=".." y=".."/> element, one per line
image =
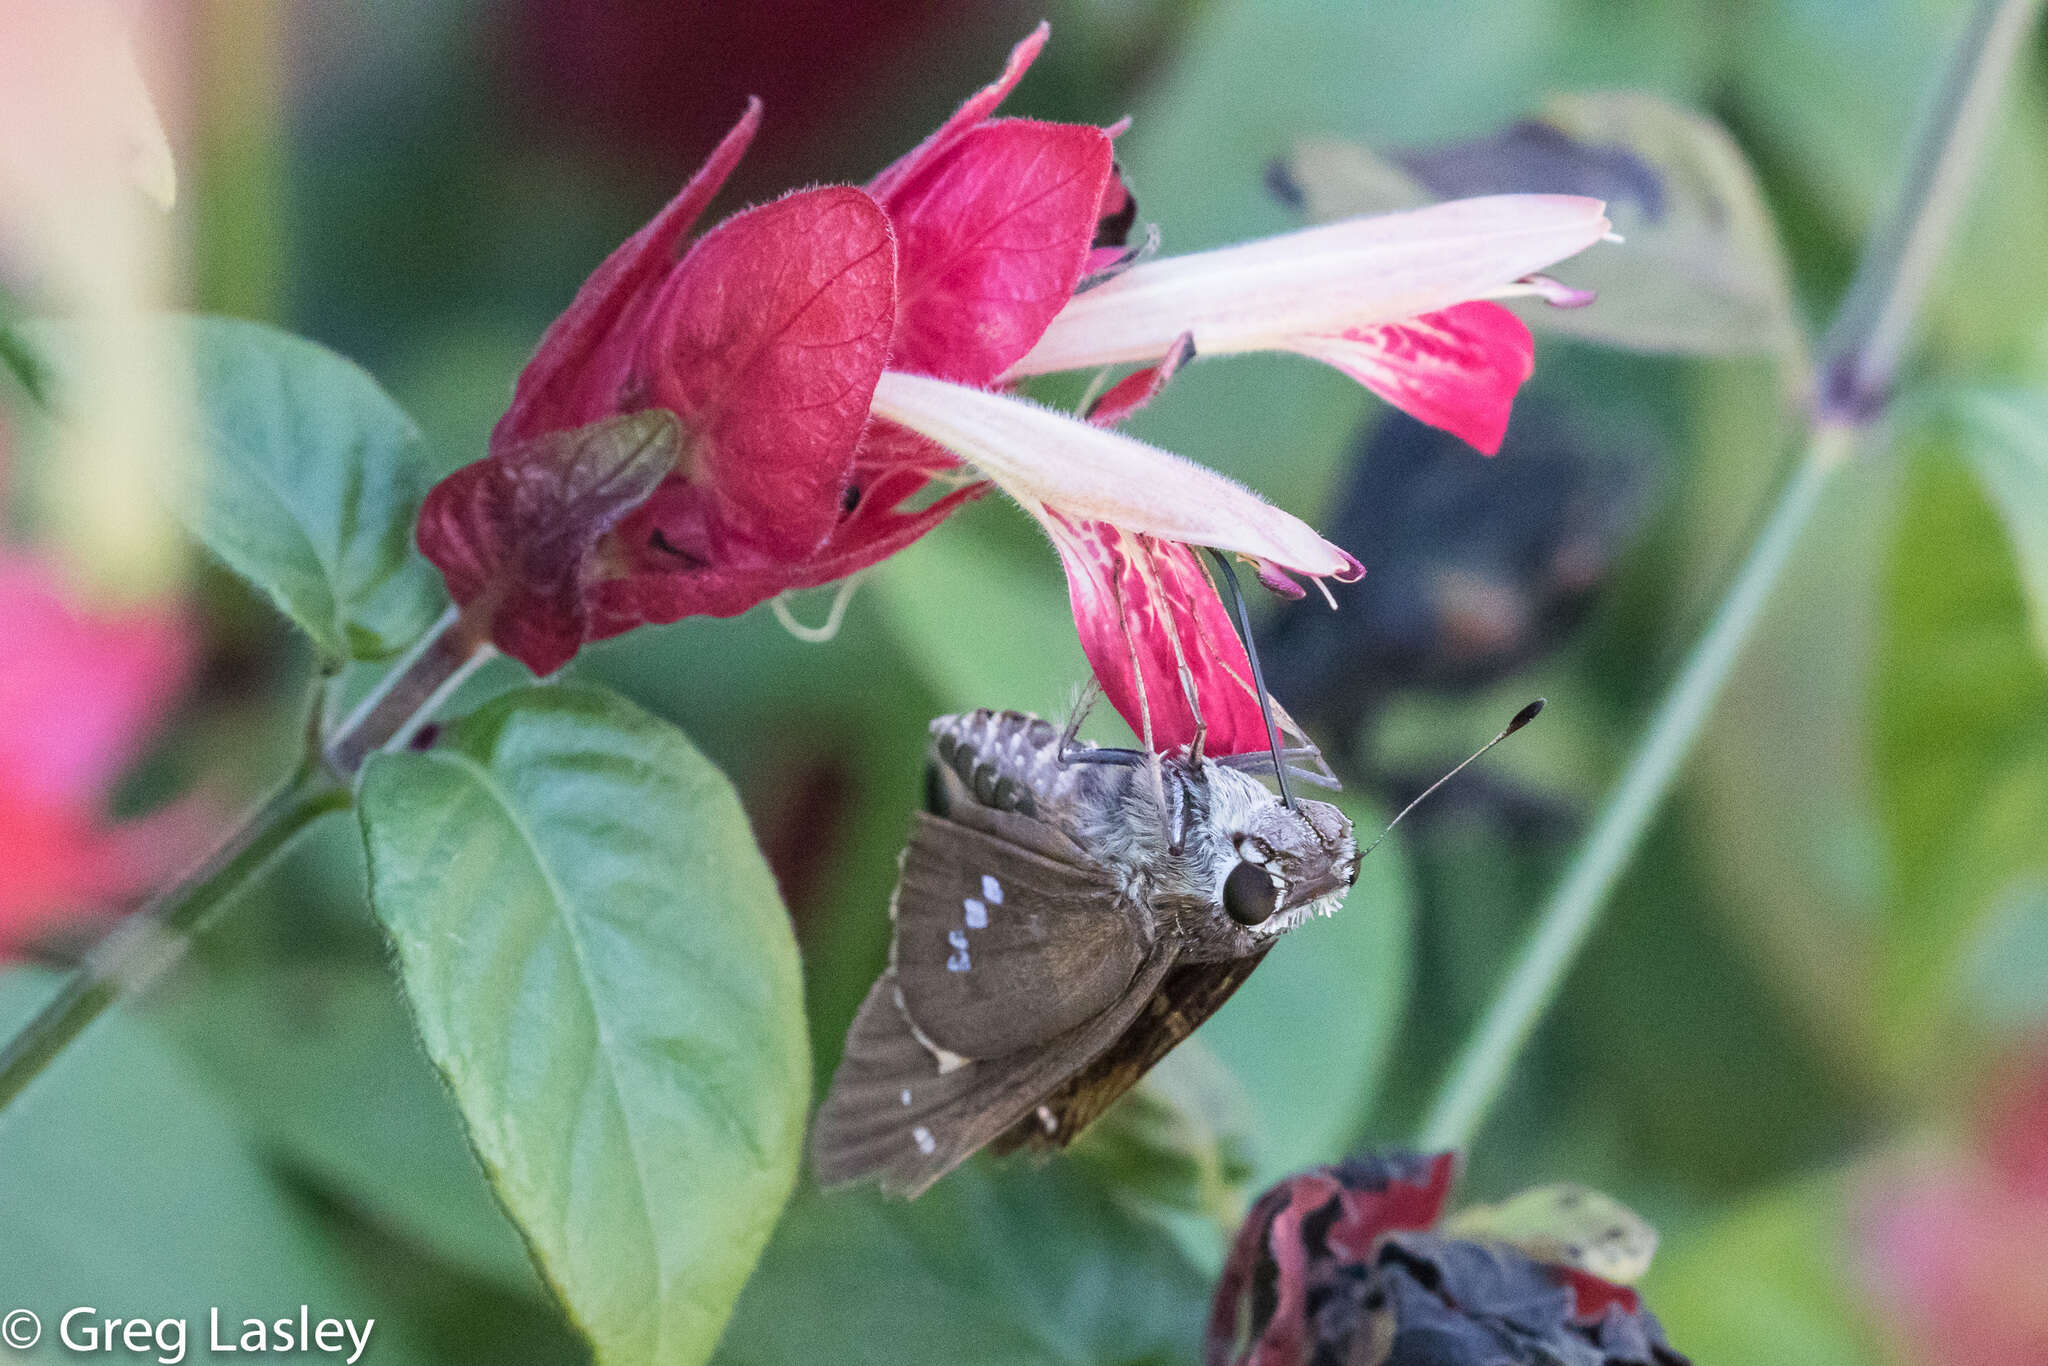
<point x="1244" y="628"/>
<point x="1522" y="718"/>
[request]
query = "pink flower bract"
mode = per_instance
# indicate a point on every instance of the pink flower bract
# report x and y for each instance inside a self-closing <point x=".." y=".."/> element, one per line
<point x="80" y="692"/>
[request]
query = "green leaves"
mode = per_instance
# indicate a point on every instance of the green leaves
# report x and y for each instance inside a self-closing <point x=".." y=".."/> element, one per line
<point x="129" y="1189"/>
<point x="1000" y="1264"/>
<point x="1699" y="270"/>
<point x="2005" y="438"/>
<point x="1766" y="1282"/>
<point x="601" y="967"/>
<point x="1960" y="731"/>
<point x="321" y="1061"/>
<point x="308" y="480"/>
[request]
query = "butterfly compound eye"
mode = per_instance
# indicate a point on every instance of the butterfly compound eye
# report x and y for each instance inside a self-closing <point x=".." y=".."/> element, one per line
<point x="1249" y="896"/>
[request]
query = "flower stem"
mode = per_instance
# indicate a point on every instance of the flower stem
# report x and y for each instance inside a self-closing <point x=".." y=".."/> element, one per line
<point x="147" y="943"/>
<point x="1875" y="320"/>
<point x="1858" y="366"/>
<point x="410" y="693"/>
<point x="1568" y="918"/>
<point x="143" y="946"/>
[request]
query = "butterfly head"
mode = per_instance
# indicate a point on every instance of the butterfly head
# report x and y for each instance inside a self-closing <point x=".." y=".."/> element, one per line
<point x="1265" y="867"/>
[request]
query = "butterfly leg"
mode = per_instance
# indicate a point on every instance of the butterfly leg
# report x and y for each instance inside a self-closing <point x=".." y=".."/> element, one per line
<point x="1067" y="753"/>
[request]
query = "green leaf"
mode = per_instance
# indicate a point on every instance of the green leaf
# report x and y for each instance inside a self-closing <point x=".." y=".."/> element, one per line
<point x="1181" y="1140"/>
<point x="939" y="596"/>
<point x="1311" y="1033"/>
<point x="2005" y="973"/>
<point x="1000" y="1264"/>
<point x="17" y="356"/>
<point x="1960" y="758"/>
<point x="1764" y="1284"/>
<point x="2004" y="435"/>
<point x="601" y="967"/>
<point x="309" y="482"/>
<point x="1699" y="270"/>
<point x="312" y="480"/>
<point x="127" y="1188"/>
<point x="322" y="1064"/>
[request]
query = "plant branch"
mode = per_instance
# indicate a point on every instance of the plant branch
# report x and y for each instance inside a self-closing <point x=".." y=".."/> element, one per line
<point x="146" y="944"/>
<point x="407" y="697"/>
<point x="1858" y="366"/>
<point x="1861" y="356"/>
<point x="149" y="942"/>
<point x="1568" y="918"/>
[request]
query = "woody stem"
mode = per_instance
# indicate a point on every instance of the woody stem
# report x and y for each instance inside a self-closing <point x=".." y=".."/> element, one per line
<point x="1574" y="908"/>
<point x="144" y="945"/>
<point x="1856" y="372"/>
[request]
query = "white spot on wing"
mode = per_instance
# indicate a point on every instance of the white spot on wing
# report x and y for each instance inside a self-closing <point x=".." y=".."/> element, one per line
<point x="946" y="1058"/>
<point x="906" y="1095"/>
<point x="977" y="914"/>
<point x="958" y="961"/>
<point x="926" y="1144"/>
<point x="991" y="890"/>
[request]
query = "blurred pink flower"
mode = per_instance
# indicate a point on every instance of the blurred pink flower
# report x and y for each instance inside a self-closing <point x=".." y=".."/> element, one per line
<point x="1954" y="1247"/>
<point x="79" y="694"/>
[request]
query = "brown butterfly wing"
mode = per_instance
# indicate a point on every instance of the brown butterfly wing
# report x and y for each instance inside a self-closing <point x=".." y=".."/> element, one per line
<point x="999" y="948"/>
<point x="1015" y="961"/>
<point x="894" y="1114"/>
<point x="1187" y="995"/>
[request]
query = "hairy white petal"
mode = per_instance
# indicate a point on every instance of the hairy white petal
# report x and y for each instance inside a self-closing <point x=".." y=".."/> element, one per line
<point x="1355" y="273"/>
<point x="1047" y="459"/>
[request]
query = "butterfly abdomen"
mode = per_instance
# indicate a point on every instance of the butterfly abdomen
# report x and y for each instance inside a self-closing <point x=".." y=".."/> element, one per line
<point x="1008" y="759"/>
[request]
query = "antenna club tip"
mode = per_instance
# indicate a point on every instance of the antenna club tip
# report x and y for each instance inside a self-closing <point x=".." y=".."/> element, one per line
<point x="1525" y="716"/>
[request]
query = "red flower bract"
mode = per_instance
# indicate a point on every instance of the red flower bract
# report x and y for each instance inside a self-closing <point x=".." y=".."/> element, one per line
<point x="1347" y="1264"/>
<point x="765" y="340"/>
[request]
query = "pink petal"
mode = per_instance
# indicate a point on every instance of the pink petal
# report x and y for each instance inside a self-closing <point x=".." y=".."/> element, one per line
<point x="576" y="373"/>
<point x="1457" y="369"/>
<point x="1400" y="1206"/>
<point x="1592" y="1296"/>
<point x="992" y="235"/>
<point x="767" y="342"/>
<point x="1123" y="399"/>
<point x="1049" y="460"/>
<point x="969" y="116"/>
<point x="1953" y="1261"/>
<point x="1357" y="273"/>
<point x="1146" y="612"/>
<point x="79" y="690"/>
<point x="57" y="865"/>
<point x="660" y="587"/>
<point x="1273" y="1233"/>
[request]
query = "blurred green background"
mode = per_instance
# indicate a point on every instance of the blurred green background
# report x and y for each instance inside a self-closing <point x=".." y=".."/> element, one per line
<point x="1836" y="931"/>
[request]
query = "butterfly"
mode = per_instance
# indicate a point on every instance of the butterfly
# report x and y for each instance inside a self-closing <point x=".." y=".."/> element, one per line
<point x="1064" y="917"/>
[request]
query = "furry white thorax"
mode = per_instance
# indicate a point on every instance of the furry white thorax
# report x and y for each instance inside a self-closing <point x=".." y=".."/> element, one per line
<point x="1216" y="810"/>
